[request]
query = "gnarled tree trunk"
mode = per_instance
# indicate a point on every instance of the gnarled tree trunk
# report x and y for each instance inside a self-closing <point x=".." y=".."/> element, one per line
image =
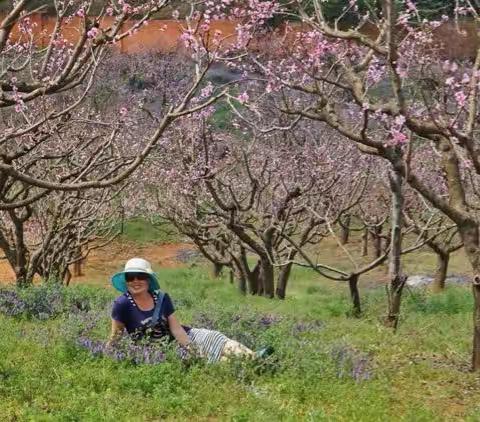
<point x="469" y="233"/>
<point x="441" y="271"/>
<point x="216" y="269"/>
<point x="345" y="229"/>
<point x="283" y="280"/>
<point x="365" y="242"/>
<point x="476" y="324"/>
<point x="397" y="279"/>
<point x="355" y="295"/>
<point x="242" y="281"/>
<point x="243" y="273"/>
<point x="267" y="278"/>
<point x="376" y="234"/>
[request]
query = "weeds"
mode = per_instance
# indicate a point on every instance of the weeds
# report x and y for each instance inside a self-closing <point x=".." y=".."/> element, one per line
<point x="56" y="366"/>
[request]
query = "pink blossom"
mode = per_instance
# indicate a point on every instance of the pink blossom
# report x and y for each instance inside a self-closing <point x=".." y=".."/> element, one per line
<point x="243" y="98"/>
<point x="461" y="98"/>
<point x="403" y="19"/>
<point x="398" y="137"/>
<point x="411" y="6"/>
<point x="207" y="91"/>
<point x="402" y="71"/>
<point x="400" y="120"/>
<point x="187" y="38"/>
<point x="93" y="32"/>
<point x="376" y="72"/>
<point x="450" y="81"/>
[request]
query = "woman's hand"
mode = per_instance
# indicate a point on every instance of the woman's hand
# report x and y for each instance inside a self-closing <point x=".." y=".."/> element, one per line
<point x="177" y="331"/>
<point x="117" y="332"/>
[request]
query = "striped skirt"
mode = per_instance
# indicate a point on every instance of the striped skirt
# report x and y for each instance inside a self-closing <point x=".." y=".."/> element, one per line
<point x="209" y="343"/>
<point x="215" y="346"/>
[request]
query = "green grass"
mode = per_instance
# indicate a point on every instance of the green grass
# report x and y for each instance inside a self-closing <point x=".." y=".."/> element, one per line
<point x="418" y="374"/>
<point x="141" y="231"/>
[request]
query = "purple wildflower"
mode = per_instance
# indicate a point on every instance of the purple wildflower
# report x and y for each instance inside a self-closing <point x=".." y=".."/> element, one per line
<point x="351" y="363"/>
<point x="147" y="354"/>
<point x="304" y="327"/>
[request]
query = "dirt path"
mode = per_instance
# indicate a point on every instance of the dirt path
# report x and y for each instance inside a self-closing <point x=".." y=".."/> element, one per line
<point x="101" y="264"/>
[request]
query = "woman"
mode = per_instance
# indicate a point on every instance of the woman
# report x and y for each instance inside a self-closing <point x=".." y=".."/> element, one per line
<point x="146" y="312"/>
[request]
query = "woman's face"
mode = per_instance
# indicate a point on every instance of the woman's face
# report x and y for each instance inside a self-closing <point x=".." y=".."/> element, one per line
<point x="137" y="283"/>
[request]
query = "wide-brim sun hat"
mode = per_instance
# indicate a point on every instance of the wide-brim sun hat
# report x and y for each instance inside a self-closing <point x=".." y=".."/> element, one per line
<point x="136" y="265"/>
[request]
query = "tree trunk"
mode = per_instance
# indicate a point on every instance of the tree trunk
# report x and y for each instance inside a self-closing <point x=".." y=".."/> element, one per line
<point x="21" y="260"/>
<point x="345" y="229"/>
<point x="67" y="277"/>
<point x="397" y="279"/>
<point x="216" y="269"/>
<point x="250" y="277"/>
<point x="238" y="271"/>
<point x="476" y="324"/>
<point x="258" y="282"/>
<point x="21" y="277"/>
<point x="242" y="282"/>
<point x="441" y="271"/>
<point x="77" y="268"/>
<point x="376" y="234"/>
<point x="470" y="236"/>
<point x="394" y="291"/>
<point x="253" y="278"/>
<point x="122" y="221"/>
<point x="365" y="242"/>
<point x="283" y="280"/>
<point x="267" y="278"/>
<point x="77" y="265"/>
<point x="355" y="295"/>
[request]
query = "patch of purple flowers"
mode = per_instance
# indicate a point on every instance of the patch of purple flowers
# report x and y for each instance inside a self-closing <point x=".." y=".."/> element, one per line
<point x="11" y="304"/>
<point x="268" y="320"/>
<point x="351" y="363"/>
<point x="36" y="302"/>
<point x="126" y="350"/>
<point x="202" y="320"/>
<point x="305" y="327"/>
<point x="47" y="301"/>
<point x="255" y="322"/>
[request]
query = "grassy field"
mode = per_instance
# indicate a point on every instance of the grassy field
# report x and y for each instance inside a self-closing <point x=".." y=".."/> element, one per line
<point x="327" y="366"/>
<point x="330" y="366"/>
<point x="143" y="232"/>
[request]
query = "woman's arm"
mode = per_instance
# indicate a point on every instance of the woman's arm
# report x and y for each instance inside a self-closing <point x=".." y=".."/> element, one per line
<point x="177" y="331"/>
<point x="117" y="331"/>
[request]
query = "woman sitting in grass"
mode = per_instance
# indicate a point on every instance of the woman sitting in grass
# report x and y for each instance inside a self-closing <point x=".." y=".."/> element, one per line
<point x="146" y="312"/>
